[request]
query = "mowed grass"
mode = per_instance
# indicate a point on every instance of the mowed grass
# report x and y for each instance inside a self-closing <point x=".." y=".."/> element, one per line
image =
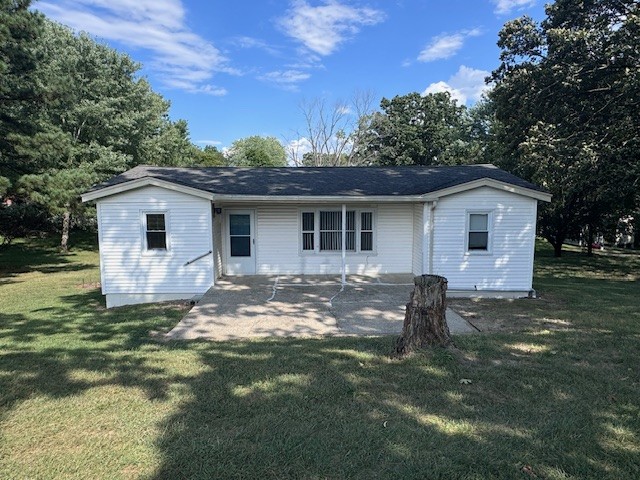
<point x="87" y="392"/>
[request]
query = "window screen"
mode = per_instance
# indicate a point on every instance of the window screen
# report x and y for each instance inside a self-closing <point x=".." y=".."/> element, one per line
<point x="308" y="231"/>
<point x="331" y="231"/>
<point x="478" y="231"/>
<point x="366" y="231"/>
<point x="156" y="232"/>
<point x="240" y="235"/>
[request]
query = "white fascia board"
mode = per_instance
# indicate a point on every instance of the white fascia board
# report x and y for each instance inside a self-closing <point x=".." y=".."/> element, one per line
<point x="487" y="182"/>
<point x="316" y="199"/>
<point x="144" y="182"/>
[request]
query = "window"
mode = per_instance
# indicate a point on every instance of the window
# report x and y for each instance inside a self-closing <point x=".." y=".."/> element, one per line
<point x="366" y="231"/>
<point x="240" y="235"/>
<point x="156" y="231"/>
<point x="322" y="231"/>
<point x="478" y="236"/>
<point x="308" y="231"/>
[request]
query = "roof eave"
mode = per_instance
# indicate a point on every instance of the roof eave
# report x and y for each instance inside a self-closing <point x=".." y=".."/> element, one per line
<point x="143" y="182"/>
<point x="487" y="182"/>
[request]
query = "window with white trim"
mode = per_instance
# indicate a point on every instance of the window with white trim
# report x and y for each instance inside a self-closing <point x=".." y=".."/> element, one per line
<point x="478" y="232"/>
<point x="366" y="231"/>
<point x="155" y="231"/>
<point x="322" y="231"/>
<point x="308" y="231"/>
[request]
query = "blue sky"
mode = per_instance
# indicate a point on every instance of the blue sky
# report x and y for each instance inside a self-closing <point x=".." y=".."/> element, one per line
<point x="239" y="68"/>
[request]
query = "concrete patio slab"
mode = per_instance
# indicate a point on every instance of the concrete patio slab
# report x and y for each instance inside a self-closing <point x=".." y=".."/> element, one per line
<point x="302" y="306"/>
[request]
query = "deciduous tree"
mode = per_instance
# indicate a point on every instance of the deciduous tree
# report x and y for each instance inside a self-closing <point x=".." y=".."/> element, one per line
<point x="417" y="129"/>
<point x="256" y="151"/>
<point x="566" y="102"/>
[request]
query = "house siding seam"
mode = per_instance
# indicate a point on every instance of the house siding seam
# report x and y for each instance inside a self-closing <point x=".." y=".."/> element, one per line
<point x="126" y="269"/>
<point x="509" y="265"/>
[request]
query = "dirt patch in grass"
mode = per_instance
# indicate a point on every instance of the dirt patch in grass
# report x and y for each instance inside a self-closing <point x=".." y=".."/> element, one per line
<point x="498" y="315"/>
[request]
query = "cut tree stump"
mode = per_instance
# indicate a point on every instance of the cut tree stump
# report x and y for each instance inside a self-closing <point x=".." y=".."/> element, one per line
<point x="425" y="323"/>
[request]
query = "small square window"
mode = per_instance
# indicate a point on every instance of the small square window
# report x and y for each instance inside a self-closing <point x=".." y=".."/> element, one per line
<point x="156" y="231"/>
<point x="478" y="235"/>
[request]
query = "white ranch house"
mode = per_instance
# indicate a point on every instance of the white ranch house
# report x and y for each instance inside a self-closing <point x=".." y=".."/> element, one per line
<point x="169" y="233"/>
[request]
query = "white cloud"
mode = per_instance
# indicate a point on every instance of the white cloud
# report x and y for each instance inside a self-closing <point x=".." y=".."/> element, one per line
<point x="504" y="7"/>
<point x="209" y="142"/>
<point x="323" y="28"/>
<point x="296" y="149"/>
<point x="286" y="79"/>
<point x="465" y="85"/>
<point x="250" y="42"/>
<point x="181" y="58"/>
<point x="446" y="45"/>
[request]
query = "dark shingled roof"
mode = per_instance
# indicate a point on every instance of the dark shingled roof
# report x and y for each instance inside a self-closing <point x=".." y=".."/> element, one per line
<point x="321" y="181"/>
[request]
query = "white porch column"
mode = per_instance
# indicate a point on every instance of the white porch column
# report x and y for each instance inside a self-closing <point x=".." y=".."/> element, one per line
<point x="428" y="220"/>
<point x="344" y="244"/>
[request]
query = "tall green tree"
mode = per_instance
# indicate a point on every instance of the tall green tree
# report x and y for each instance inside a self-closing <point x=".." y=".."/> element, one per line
<point x="566" y="108"/>
<point x="256" y="151"/>
<point x="210" y="156"/>
<point x="20" y="89"/>
<point x="99" y="119"/>
<point x="416" y="129"/>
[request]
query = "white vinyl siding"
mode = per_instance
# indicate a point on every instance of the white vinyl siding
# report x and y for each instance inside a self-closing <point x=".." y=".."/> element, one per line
<point x="509" y="263"/>
<point x="126" y="265"/>
<point x="279" y="242"/>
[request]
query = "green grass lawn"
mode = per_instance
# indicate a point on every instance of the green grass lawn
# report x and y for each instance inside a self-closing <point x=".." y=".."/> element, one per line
<point x="89" y="393"/>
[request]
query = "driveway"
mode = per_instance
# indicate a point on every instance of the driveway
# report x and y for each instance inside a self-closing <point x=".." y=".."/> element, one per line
<point x="300" y="306"/>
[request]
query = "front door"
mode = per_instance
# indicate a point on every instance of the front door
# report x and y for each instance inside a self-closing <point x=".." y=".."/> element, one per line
<point x="241" y="258"/>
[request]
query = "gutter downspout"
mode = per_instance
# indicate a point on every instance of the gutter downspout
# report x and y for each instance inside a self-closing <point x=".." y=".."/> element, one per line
<point x="344" y="245"/>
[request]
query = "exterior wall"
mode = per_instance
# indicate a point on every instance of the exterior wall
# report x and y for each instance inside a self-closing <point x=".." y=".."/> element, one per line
<point x="129" y="273"/>
<point x="509" y="265"/>
<point x="418" y="232"/>
<point x="278" y="238"/>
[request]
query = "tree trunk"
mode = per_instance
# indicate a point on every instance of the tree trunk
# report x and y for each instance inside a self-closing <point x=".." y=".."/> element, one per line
<point x="589" y="241"/>
<point x="425" y="323"/>
<point x="64" y="242"/>
<point x="557" y="248"/>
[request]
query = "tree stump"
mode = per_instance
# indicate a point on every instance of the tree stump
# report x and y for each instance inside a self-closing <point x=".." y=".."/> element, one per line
<point x="425" y="323"/>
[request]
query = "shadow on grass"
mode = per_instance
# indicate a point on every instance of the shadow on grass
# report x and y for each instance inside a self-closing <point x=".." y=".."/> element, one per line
<point x="341" y="408"/>
<point x="36" y="255"/>
<point x="560" y="402"/>
<point x="87" y="337"/>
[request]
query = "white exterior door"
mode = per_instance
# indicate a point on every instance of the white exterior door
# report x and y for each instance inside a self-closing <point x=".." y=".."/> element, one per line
<point x="240" y="243"/>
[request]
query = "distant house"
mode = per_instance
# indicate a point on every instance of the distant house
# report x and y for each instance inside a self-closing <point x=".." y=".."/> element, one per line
<point x="169" y="233"/>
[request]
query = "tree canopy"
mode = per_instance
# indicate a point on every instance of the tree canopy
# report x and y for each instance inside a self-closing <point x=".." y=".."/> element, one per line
<point x="417" y="129"/>
<point x="80" y="115"/>
<point x="257" y="151"/>
<point x="566" y="109"/>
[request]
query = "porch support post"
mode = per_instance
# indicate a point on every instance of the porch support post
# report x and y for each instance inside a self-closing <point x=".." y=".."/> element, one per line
<point x="344" y="244"/>
<point x="426" y="226"/>
<point x="428" y="219"/>
<point x="431" y="232"/>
